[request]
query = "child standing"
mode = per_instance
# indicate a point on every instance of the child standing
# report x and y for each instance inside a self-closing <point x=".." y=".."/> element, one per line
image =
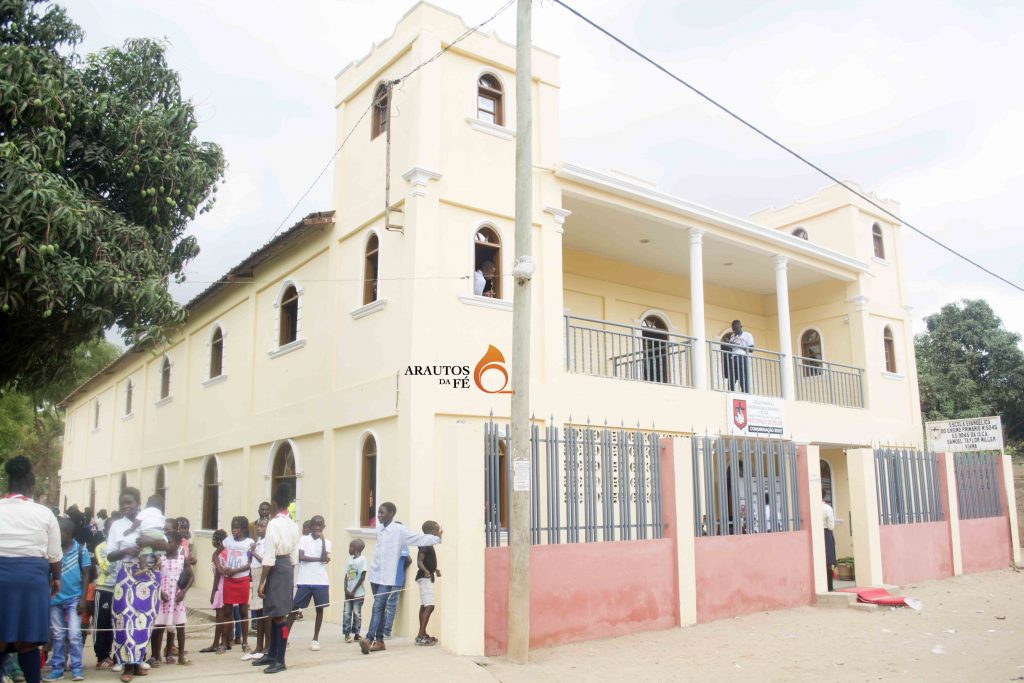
<point x="171" y="615"/>
<point x="255" y="601"/>
<point x="238" y="556"/>
<point x="103" y="640"/>
<point x="311" y="577"/>
<point x="222" y="632"/>
<point x="426" y="561"/>
<point x="68" y="605"/>
<point x="355" y="592"/>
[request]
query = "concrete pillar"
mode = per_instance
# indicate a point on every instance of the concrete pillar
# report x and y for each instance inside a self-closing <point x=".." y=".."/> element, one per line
<point x="1010" y="501"/>
<point x="677" y="471"/>
<point x="867" y="541"/>
<point x="950" y="507"/>
<point x="700" y="353"/>
<point x="816" y="522"/>
<point x="460" y="511"/>
<point x="785" y="331"/>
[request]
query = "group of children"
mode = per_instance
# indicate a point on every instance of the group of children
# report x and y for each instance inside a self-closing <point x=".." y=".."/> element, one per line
<point x="88" y="584"/>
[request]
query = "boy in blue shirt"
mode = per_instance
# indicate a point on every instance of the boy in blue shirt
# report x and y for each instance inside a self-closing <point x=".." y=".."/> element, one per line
<point x="68" y="606"/>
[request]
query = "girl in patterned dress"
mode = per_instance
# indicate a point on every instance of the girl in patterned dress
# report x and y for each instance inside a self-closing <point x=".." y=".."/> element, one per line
<point x="222" y="616"/>
<point x="171" y="614"/>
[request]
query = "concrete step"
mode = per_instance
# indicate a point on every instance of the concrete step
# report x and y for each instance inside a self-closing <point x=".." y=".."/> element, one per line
<point x="836" y="600"/>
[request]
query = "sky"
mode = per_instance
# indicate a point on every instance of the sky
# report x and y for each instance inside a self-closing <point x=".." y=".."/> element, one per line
<point x="914" y="101"/>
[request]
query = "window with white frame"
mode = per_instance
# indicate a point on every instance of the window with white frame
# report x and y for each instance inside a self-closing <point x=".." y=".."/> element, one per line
<point x="889" y="344"/>
<point x="487" y="262"/>
<point x="371" y="272"/>
<point x="877" y="242"/>
<point x="165" y="378"/>
<point x="381" y="111"/>
<point x="129" y="396"/>
<point x="288" y="316"/>
<point x="490" y="101"/>
<point x="217" y="352"/>
<point x="211" y="494"/>
<point x="96" y="414"/>
<point x="368" y="482"/>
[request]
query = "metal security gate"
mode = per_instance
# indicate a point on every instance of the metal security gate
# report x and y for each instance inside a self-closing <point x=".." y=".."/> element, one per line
<point x="744" y="486"/>
<point x="907" y="486"/>
<point x="587" y="484"/>
<point x="977" y="485"/>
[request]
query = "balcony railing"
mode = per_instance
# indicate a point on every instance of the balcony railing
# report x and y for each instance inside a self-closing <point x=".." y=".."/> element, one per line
<point x="820" y="381"/>
<point x="747" y="370"/>
<point x="607" y="349"/>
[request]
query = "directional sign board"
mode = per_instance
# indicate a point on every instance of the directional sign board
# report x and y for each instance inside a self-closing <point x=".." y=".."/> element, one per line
<point x="964" y="436"/>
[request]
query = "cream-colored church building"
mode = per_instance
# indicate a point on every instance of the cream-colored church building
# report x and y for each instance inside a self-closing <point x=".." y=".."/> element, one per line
<point x="344" y="355"/>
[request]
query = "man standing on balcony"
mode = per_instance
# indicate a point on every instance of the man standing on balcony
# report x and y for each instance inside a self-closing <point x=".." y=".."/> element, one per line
<point x="740" y="343"/>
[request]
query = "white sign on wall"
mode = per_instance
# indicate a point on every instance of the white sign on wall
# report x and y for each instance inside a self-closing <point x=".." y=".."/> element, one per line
<point x="962" y="436"/>
<point x="755" y="416"/>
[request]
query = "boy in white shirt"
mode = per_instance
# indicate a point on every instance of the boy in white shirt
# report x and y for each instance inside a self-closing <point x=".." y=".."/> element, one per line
<point x="311" y="576"/>
<point x="355" y="591"/>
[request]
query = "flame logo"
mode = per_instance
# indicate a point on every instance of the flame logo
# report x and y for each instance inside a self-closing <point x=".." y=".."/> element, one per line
<point x="492" y="361"/>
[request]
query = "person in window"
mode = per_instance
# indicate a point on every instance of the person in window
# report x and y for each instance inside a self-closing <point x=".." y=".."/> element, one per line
<point x="483" y="280"/>
<point x="739" y="345"/>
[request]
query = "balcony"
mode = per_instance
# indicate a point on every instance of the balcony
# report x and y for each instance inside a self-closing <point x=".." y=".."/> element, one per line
<point x="602" y="348"/>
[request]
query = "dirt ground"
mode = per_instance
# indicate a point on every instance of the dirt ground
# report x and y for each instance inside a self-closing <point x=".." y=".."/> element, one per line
<point x="970" y="629"/>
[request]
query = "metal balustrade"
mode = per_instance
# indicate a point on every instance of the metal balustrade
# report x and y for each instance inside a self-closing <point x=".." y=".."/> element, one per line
<point x="819" y="381"/>
<point x="748" y="370"/>
<point x="606" y="349"/>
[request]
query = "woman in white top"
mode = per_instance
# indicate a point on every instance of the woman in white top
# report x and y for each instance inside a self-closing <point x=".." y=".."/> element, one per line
<point x="30" y="569"/>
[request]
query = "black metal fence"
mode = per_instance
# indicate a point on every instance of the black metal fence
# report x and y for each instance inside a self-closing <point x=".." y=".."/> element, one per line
<point x="977" y="485"/>
<point x="746" y="370"/>
<point x="587" y="484"/>
<point x="607" y="349"/>
<point x="907" y="486"/>
<point x="744" y="486"/>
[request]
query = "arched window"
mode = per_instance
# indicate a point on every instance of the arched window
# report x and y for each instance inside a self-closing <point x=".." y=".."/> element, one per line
<point x="96" y="414"/>
<point x="655" y="366"/>
<point x="371" y="274"/>
<point x="381" y="110"/>
<point x="288" y="326"/>
<point x="487" y="263"/>
<point x="489" y="100"/>
<point x="877" y="241"/>
<point x="800" y="233"/>
<point x="217" y="353"/>
<point x="211" y="493"/>
<point x="165" y="378"/>
<point x="890" y="349"/>
<point x="282" y="470"/>
<point x="368" y="483"/>
<point x="129" y="395"/>
<point x="160" y="486"/>
<point x="124" y="484"/>
<point x="92" y="495"/>
<point x="826" y="482"/>
<point x="810" y="352"/>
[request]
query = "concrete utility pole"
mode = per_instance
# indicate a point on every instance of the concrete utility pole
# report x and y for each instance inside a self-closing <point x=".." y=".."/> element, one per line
<point x="522" y="272"/>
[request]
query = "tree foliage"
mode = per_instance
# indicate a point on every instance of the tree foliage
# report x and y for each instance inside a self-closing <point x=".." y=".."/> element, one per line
<point x="32" y="425"/>
<point x="969" y="365"/>
<point x="100" y="175"/>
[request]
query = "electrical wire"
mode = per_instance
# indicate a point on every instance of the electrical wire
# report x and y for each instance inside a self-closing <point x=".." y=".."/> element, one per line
<point x="784" y="147"/>
<point x="384" y="96"/>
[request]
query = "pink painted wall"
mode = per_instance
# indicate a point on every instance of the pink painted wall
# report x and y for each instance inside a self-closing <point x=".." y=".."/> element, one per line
<point x="985" y="543"/>
<point x="915" y="552"/>
<point x="585" y="591"/>
<point x="752" y="573"/>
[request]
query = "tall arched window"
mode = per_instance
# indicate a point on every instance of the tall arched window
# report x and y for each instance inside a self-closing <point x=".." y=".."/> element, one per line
<point x="890" y="349"/>
<point x="217" y="352"/>
<point x="92" y="495"/>
<point x="129" y="396"/>
<point x="368" y="482"/>
<point x="826" y="482"/>
<point x="165" y="378"/>
<point x="381" y="110"/>
<point x="810" y="350"/>
<point x="160" y="485"/>
<point x="288" y="326"/>
<point x="282" y="470"/>
<point x="655" y="366"/>
<point x="489" y="100"/>
<point x="877" y="241"/>
<point x="211" y="494"/>
<point x="371" y="274"/>
<point x="96" y="414"/>
<point x="124" y="484"/>
<point x="800" y="233"/>
<point x="487" y="263"/>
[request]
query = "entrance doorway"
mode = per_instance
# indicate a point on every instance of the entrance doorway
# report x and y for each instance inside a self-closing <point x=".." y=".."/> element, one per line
<point x="835" y="490"/>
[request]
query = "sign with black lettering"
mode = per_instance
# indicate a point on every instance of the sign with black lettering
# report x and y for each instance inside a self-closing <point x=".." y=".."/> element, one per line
<point x="965" y="436"/>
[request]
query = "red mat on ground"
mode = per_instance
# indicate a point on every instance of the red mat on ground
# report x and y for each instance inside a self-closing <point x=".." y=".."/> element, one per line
<point x="877" y="596"/>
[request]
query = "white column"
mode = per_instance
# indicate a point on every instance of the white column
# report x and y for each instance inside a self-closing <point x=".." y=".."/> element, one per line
<point x="700" y="352"/>
<point x="785" y="333"/>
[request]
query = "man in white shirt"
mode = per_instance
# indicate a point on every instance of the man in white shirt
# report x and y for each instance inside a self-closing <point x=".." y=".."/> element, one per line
<point x="281" y="554"/>
<point x="483" y="278"/>
<point x="391" y="538"/>
<point x="829" y="523"/>
<point x="740" y="344"/>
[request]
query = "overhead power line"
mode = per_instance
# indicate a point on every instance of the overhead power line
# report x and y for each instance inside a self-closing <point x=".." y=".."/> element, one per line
<point x="784" y="147"/>
<point x="374" y="102"/>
